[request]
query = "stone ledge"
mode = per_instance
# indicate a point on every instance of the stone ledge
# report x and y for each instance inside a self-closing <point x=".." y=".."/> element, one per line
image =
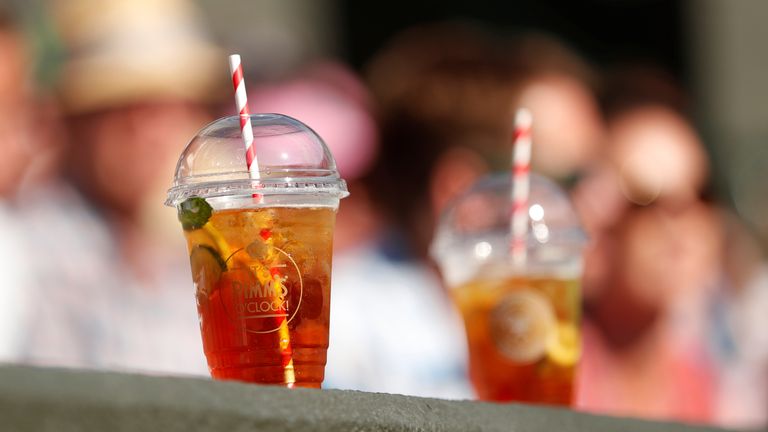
<point x="41" y="399"/>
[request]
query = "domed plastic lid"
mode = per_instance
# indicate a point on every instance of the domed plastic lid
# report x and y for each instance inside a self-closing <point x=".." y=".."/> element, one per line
<point x="293" y="161"/>
<point x="475" y="229"/>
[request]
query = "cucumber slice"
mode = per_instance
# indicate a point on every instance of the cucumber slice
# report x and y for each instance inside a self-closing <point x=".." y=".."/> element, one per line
<point x="207" y="267"/>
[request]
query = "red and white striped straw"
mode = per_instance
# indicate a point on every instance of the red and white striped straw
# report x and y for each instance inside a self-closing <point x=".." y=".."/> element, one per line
<point x="241" y="101"/>
<point x="521" y="179"/>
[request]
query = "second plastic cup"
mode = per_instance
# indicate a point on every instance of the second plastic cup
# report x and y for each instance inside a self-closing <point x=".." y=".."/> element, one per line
<point x="522" y="321"/>
<point x="260" y="249"/>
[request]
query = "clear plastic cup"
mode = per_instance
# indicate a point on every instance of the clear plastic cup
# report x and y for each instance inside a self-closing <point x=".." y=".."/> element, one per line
<point x="260" y="249"/>
<point x="522" y="321"/>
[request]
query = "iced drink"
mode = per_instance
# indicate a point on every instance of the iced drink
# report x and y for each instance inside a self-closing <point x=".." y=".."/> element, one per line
<point x="260" y="249"/>
<point x="522" y="321"/>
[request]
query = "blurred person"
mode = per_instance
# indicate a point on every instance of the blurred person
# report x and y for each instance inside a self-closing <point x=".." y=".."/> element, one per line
<point x="458" y="85"/>
<point x="654" y="156"/>
<point x="632" y="97"/>
<point x="13" y="138"/>
<point x="445" y="95"/>
<point x="435" y="89"/>
<point x="113" y="290"/>
<point x="712" y="307"/>
<point x="655" y="263"/>
<point x="559" y="89"/>
<point x="641" y="358"/>
<point x="30" y="145"/>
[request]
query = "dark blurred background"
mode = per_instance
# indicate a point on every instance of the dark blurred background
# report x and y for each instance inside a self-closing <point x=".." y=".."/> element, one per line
<point x="607" y="32"/>
<point x="652" y="114"/>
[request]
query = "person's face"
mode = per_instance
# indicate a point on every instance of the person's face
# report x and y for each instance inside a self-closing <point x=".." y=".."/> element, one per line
<point x="666" y="255"/>
<point x="658" y="155"/>
<point x="124" y="156"/>
<point x="567" y="129"/>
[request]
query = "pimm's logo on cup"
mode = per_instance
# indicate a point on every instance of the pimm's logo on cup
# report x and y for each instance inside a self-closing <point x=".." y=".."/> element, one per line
<point x="262" y="289"/>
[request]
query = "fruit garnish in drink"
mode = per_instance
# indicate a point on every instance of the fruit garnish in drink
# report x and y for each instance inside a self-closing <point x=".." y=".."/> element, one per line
<point x="194" y="213"/>
<point x="207" y="267"/>
<point x="522" y="324"/>
<point x="564" y="345"/>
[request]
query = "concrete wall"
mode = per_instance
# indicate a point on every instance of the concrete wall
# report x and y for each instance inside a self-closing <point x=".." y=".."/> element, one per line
<point x="58" y="400"/>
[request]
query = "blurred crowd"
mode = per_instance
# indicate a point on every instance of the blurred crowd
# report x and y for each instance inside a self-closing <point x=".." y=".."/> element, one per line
<point x="95" y="272"/>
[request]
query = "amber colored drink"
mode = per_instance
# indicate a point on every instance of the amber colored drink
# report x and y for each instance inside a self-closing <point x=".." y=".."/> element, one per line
<point x="263" y="281"/>
<point x="523" y="337"/>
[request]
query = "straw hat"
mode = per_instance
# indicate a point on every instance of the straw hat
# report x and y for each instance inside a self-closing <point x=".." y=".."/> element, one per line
<point x="125" y="51"/>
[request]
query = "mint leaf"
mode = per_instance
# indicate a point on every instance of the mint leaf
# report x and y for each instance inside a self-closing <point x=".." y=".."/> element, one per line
<point x="194" y="213"/>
